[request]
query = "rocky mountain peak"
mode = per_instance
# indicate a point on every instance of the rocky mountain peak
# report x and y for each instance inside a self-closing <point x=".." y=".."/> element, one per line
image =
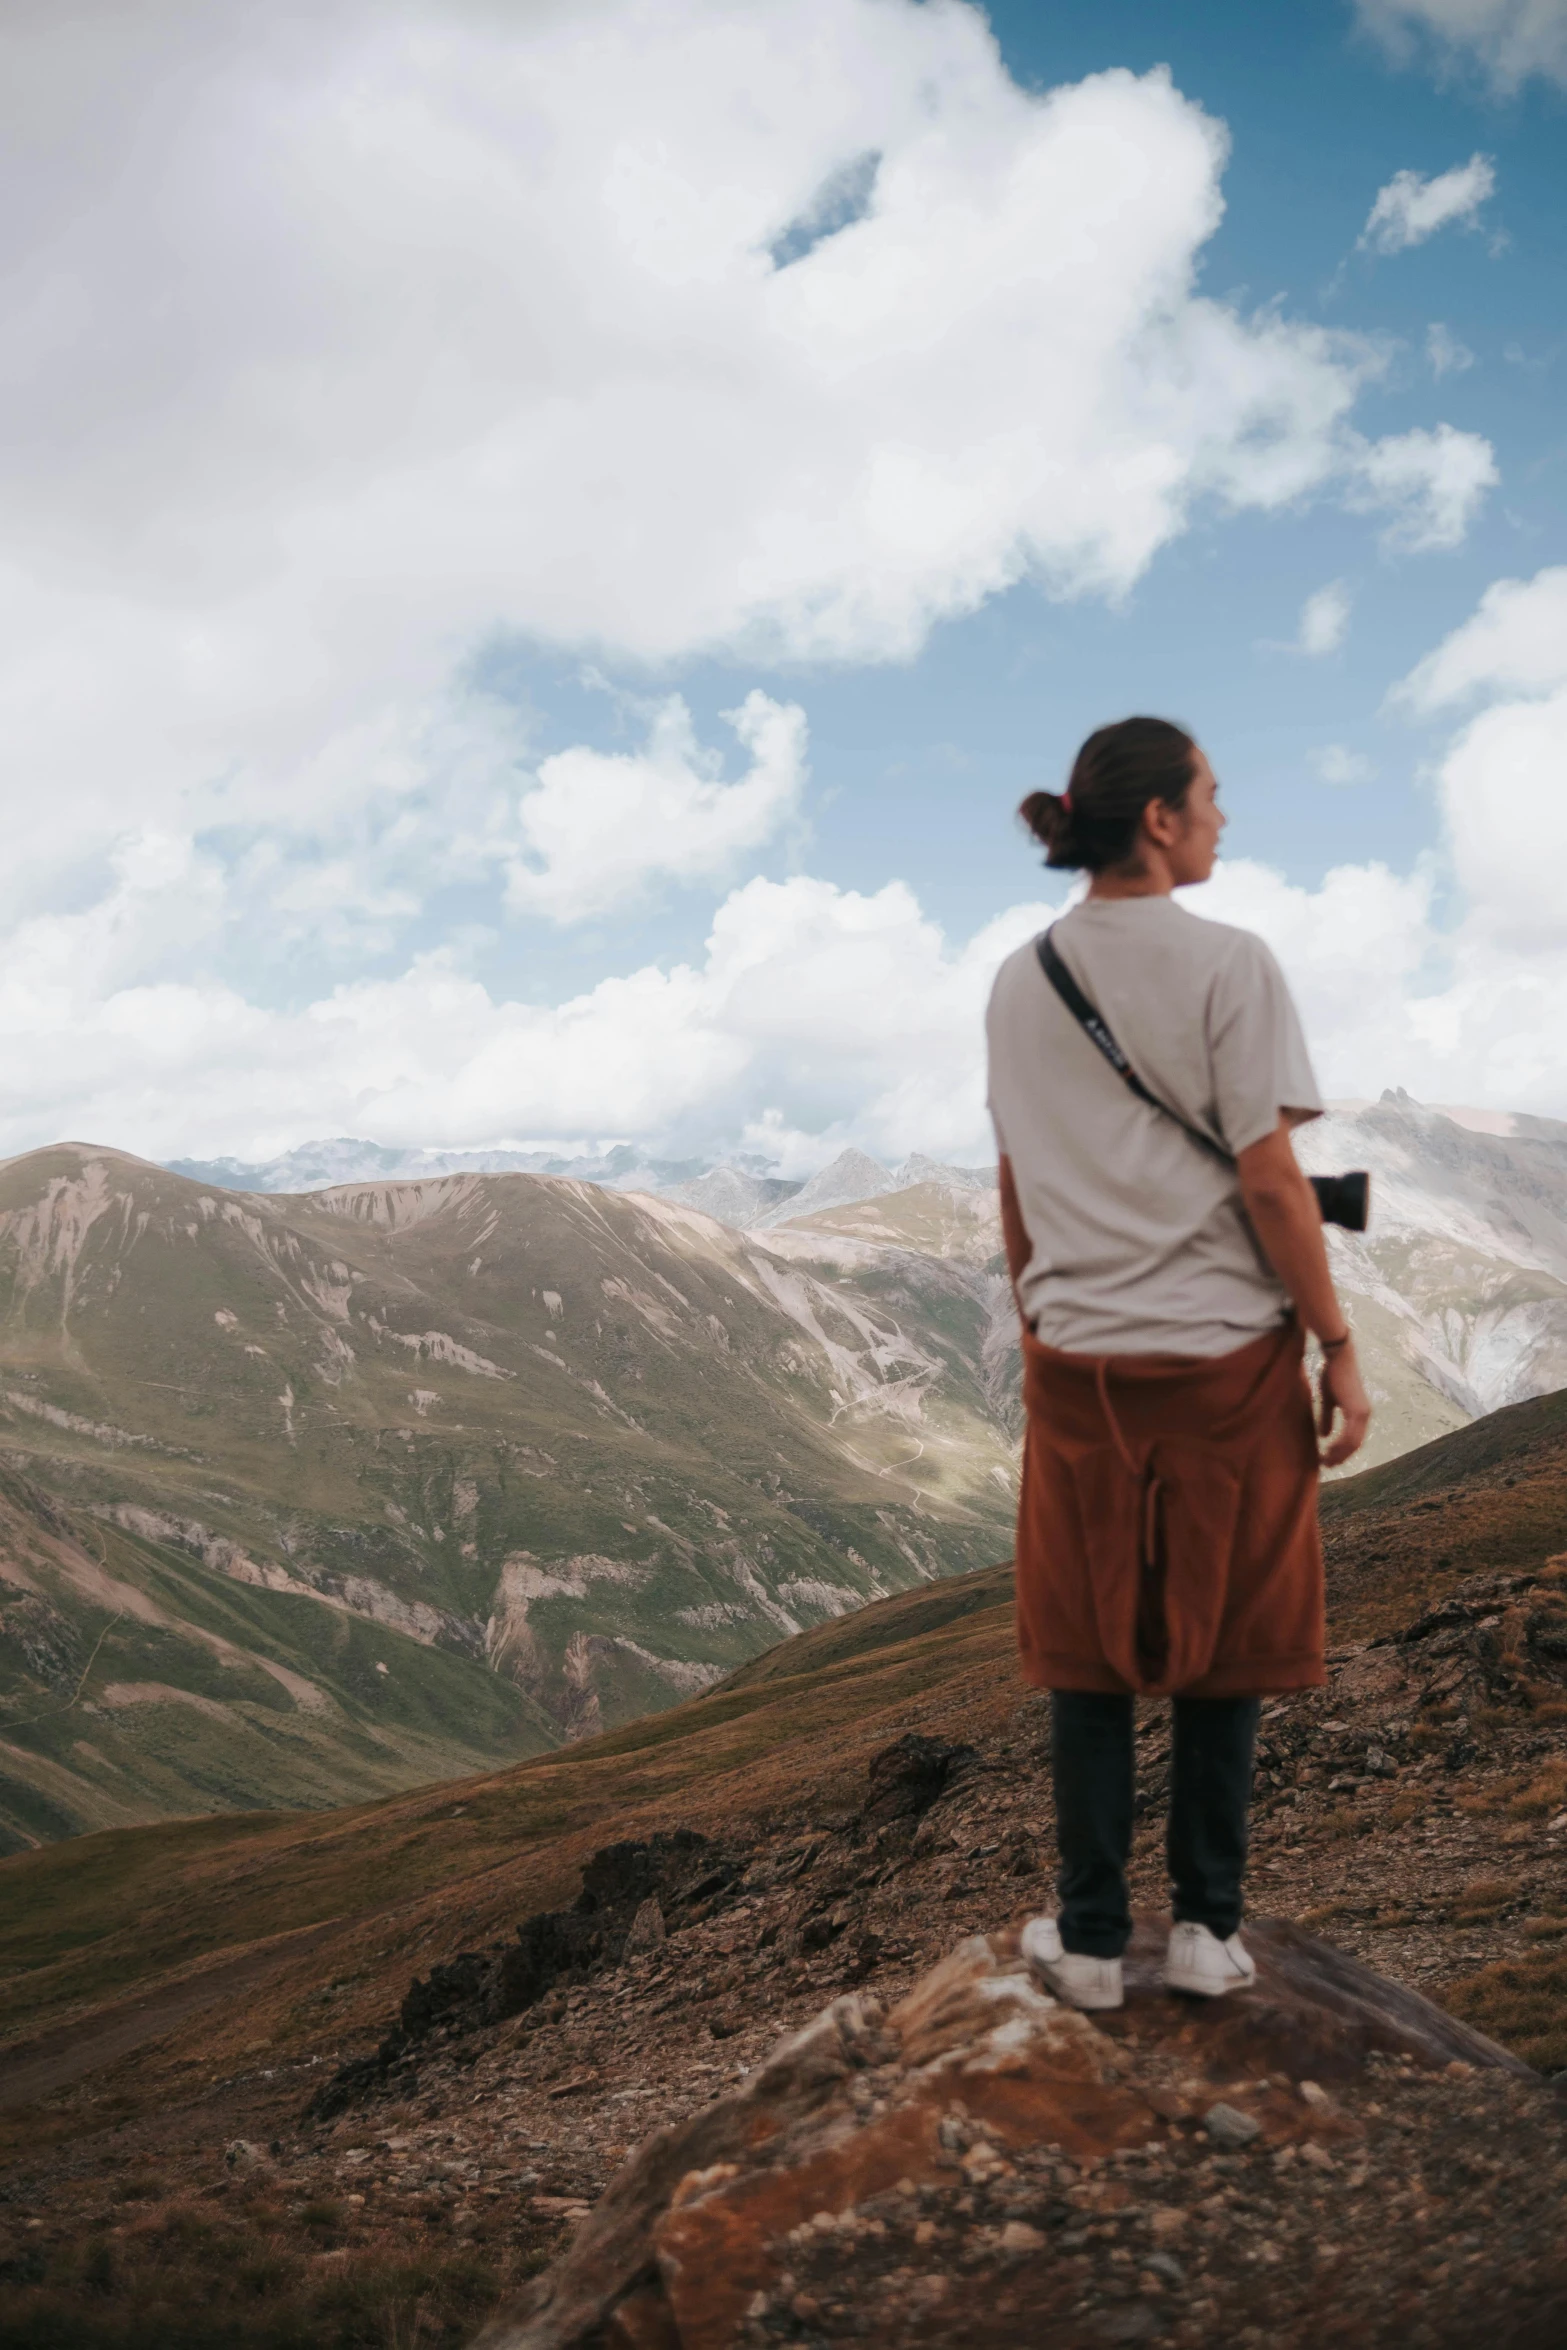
<point x="852" y="1175"/>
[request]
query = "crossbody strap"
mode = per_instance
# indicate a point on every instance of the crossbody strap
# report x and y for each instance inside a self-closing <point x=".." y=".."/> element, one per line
<point x="1097" y="1029"/>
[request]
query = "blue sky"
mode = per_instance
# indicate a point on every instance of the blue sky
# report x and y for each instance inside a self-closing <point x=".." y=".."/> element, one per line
<point x="420" y="461"/>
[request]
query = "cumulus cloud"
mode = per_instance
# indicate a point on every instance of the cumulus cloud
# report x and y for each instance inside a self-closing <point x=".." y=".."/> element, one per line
<point x="1324" y="619"/>
<point x="1506" y="816"/>
<point x="1507" y="39"/>
<point x="1355" y="949"/>
<point x="1501" y="777"/>
<point x="816" y="1015"/>
<point x="1411" y="207"/>
<point x="351" y="338"/>
<point x="1516" y="639"/>
<point x="597" y="830"/>
<point x="353" y="345"/>
<point x="1433" y="482"/>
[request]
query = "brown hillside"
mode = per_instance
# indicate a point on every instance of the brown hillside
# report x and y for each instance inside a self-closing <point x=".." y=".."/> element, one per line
<point x="1492" y="1495"/>
<point x="186" y="1988"/>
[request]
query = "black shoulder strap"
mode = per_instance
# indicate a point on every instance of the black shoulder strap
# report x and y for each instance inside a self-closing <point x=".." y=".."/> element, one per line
<point x="1096" y="1028"/>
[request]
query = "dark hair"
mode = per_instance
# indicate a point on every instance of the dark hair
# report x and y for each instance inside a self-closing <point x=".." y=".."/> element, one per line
<point x="1094" y="822"/>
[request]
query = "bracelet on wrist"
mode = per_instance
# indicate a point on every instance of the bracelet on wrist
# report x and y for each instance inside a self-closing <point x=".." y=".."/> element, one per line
<point x="1331" y="1346"/>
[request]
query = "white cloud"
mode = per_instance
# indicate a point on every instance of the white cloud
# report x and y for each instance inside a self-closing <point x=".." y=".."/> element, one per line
<point x="1355" y="950"/>
<point x="1338" y="765"/>
<point x="1411" y="208"/>
<point x="1515" y="639"/>
<point x="1324" y="619"/>
<point x="1433" y="482"/>
<point x="816" y="1015"/>
<point x="1501" y="778"/>
<point x="816" y="1012"/>
<point x="350" y="343"/>
<point x="1508" y="39"/>
<point x="347" y="338"/>
<point x="1447" y="355"/>
<point x="1506" y="812"/>
<point x="597" y="829"/>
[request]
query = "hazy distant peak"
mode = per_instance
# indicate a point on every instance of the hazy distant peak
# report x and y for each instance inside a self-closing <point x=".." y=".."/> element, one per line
<point x="916" y="1168"/>
<point x="324" y="1166"/>
<point x="734" y="1194"/>
<point x="852" y="1175"/>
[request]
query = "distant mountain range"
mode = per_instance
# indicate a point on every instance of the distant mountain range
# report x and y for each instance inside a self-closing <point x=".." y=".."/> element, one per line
<point x="1460" y="1287"/>
<point x="308" y="1496"/>
<point x="304" y="1498"/>
<point x="738" y="1191"/>
<point x="316" y="1166"/>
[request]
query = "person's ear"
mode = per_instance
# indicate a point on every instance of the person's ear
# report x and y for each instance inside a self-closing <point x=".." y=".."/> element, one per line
<point x="1161" y="823"/>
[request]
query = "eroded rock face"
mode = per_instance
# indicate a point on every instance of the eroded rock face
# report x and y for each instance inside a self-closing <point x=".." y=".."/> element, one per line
<point x="908" y="1776"/>
<point x="623" y="1885"/>
<point x="879" y="2157"/>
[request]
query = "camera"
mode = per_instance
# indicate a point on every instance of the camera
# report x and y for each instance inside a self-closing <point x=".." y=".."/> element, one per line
<point x="1344" y="1199"/>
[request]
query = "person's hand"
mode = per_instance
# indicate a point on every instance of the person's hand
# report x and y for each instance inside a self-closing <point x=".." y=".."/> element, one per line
<point x="1341" y="1391"/>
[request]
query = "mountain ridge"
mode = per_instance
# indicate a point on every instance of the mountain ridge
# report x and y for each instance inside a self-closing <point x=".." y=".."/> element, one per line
<point x="589" y="1466"/>
<point x="586" y="1448"/>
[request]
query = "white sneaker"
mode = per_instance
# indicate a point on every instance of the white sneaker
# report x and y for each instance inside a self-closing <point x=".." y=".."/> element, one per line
<point x="1198" y="1961"/>
<point x="1073" y="1975"/>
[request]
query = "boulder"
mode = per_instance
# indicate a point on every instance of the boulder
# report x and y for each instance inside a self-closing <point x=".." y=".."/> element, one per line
<point x="908" y="1776"/>
<point x="979" y="2124"/>
<point x="648" y="1931"/>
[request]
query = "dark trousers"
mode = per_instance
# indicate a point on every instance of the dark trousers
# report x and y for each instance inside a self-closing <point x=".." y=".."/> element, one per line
<point x="1092" y="1760"/>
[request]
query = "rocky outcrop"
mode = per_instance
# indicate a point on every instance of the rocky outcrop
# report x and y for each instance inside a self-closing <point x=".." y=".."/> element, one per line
<point x="627" y="1890"/>
<point x="980" y="2166"/>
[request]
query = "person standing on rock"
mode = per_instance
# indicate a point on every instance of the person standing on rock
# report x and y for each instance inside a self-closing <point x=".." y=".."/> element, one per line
<point x="1168" y="1260"/>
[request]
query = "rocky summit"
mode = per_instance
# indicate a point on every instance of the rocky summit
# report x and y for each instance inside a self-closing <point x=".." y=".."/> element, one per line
<point x="980" y="2167"/>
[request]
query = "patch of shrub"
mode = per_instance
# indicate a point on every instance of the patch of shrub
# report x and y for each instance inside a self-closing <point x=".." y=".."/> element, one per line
<point x="1544" y="1794"/>
<point x="374" y="2300"/>
<point x="1483" y="1897"/>
<point x="1522" y="2002"/>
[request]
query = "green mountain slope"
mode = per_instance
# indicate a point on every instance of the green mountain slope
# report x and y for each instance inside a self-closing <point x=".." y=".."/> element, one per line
<point x="137" y="1685"/>
<point x="314" y="1496"/>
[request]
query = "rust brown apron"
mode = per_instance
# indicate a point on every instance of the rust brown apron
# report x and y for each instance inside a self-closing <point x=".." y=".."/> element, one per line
<point x="1167" y="1525"/>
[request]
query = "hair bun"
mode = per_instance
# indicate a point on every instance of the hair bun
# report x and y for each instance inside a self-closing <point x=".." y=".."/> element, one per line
<point x="1048" y="815"/>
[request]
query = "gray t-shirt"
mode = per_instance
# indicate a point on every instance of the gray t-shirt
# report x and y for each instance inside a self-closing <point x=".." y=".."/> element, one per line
<point x="1140" y="1242"/>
